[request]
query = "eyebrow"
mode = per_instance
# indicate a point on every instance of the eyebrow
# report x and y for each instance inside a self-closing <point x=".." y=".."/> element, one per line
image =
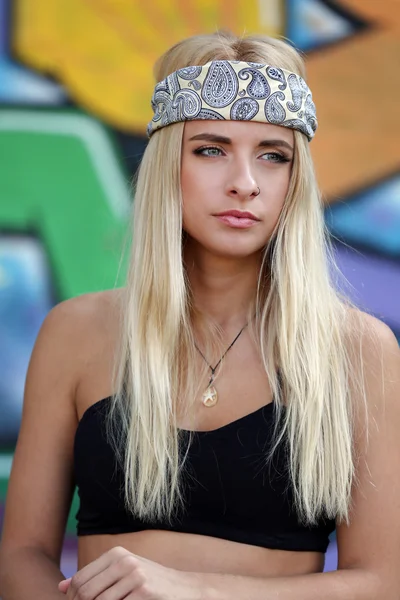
<point x="220" y="139"/>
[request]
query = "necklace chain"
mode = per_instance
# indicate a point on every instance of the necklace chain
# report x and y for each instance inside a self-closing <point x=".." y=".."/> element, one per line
<point x="213" y="369"/>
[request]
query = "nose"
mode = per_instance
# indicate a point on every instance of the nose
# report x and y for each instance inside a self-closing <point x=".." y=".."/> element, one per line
<point x="242" y="183"/>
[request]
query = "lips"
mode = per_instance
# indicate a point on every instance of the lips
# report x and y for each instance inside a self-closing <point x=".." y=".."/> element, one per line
<point x="238" y="219"/>
<point x="239" y="214"/>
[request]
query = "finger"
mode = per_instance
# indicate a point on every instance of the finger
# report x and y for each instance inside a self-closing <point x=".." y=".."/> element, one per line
<point x="111" y="580"/>
<point x="132" y="585"/>
<point x="64" y="585"/>
<point x="93" y="569"/>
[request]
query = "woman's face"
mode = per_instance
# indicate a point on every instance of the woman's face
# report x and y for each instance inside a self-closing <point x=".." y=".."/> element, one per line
<point x="223" y="165"/>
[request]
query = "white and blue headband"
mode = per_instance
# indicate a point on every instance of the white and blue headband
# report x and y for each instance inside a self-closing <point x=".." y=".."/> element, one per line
<point x="234" y="90"/>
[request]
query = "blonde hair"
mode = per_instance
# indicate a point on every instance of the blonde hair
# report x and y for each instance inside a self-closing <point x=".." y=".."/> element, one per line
<point x="299" y="322"/>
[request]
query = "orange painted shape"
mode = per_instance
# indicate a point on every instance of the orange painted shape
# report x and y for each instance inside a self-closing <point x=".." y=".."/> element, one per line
<point x="383" y="13"/>
<point x="356" y="86"/>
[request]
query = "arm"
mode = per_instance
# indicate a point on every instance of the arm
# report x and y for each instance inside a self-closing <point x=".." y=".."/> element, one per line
<point x="125" y="575"/>
<point x="28" y="573"/>
<point x="353" y="584"/>
<point x="41" y="482"/>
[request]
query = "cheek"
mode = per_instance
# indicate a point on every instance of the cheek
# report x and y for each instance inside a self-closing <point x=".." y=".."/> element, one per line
<point x="198" y="193"/>
<point x="193" y="211"/>
<point x="185" y="179"/>
<point x="274" y="194"/>
<point x="189" y="199"/>
<point x="190" y="185"/>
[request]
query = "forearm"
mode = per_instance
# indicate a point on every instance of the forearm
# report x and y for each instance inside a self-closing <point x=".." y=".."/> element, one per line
<point x="351" y="584"/>
<point x="28" y="573"/>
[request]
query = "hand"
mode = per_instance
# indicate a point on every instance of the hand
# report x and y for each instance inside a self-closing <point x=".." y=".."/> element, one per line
<point x="121" y="575"/>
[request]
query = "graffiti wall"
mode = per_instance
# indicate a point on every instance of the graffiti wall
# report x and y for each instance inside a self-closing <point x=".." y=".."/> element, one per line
<point x="75" y="84"/>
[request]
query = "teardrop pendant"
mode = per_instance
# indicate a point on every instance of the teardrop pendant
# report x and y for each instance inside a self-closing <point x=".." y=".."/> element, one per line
<point x="210" y="396"/>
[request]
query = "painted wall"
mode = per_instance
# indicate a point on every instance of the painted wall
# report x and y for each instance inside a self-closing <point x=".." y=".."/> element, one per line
<point x="75" y="84"/>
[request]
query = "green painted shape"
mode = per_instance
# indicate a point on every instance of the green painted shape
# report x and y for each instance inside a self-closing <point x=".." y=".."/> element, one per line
<point x="71" y="522"/>
<point x="3" y="488"/>
<point x="49" y="183"/>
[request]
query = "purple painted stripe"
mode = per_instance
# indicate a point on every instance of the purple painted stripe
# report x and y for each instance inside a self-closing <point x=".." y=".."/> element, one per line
<point x="376" y="282"/>
<point x="4" y="25"/>
<point x="331" y="557"/>
<point x="69" y="557"/>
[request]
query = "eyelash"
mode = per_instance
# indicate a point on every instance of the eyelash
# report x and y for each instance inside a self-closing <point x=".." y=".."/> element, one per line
<point x="281" y="158"/>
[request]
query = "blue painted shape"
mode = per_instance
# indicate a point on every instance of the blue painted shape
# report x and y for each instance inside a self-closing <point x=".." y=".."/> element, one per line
<point x="19" y="85"/>
<point x="370" y="218"/>
<point x="374" y="284"/>
<point x="311" y="24"/>
<point x="25" y="299"/>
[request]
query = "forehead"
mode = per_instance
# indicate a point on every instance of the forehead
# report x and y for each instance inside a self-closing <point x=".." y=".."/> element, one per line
<point x="238" y="130"/>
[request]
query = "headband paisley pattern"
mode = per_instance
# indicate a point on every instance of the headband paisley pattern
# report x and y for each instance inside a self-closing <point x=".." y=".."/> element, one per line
<point x="234" y="90"/>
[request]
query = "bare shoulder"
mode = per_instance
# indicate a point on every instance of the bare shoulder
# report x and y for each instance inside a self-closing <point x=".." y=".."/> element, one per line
<point x="365" y="324"/>
<point x="73" y="334"/>
<point x="88" y="310"/>
<point x="374" y="342"/>
<point x="82" y="322"/>
<point x="93" y="332"/>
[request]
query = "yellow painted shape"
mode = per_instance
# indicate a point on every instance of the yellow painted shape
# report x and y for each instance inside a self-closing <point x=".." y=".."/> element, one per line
<point x="103" y="51"/>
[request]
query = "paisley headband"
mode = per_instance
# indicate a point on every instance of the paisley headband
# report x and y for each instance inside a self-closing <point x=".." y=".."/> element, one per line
<point x="234" y="90"/>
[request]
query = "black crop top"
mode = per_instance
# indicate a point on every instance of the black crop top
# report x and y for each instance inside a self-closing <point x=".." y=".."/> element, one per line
<point x="229" y="491"/>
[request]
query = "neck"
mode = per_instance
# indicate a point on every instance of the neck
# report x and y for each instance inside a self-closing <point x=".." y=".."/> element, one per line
<point x="223" y="288"/>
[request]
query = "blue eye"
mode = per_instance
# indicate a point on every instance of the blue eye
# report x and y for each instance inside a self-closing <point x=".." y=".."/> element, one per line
<point x="208" y="151"/>
<point x="276" y="157"/>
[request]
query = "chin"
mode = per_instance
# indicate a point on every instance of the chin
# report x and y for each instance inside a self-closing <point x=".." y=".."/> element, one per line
<point x="237" y="247"/>
<point x="237" y="252"/>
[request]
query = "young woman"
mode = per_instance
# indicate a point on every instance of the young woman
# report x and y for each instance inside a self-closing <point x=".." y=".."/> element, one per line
<point x="226" y="410"/>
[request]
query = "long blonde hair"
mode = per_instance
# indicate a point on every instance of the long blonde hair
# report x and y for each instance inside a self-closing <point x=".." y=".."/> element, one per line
<point x="299" y="322"/>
